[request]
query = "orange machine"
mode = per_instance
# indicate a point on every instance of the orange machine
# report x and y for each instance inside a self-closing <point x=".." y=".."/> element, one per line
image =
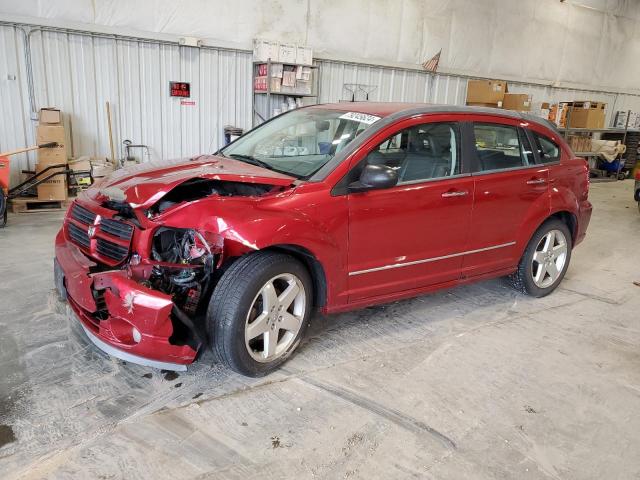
<point x="5" y="192"/>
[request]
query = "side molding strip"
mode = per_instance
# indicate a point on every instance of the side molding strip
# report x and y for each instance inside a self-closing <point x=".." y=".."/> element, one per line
<point x="429" y="260"/>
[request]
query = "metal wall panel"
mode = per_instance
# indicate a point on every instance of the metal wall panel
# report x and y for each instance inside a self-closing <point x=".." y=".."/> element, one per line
<point x="396" y="84"/>
<point x="80" y="72"/>
<point x="15" y="125"/>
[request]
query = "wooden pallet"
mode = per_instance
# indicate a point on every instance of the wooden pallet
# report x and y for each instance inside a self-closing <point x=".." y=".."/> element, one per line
<point x="34" y="205"/>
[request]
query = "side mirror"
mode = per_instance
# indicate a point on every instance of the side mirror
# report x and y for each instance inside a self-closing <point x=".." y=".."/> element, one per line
<point x="375" y="177"/>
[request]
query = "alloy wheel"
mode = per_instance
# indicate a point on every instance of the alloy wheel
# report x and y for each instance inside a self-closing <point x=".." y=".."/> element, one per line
<point x="275" y="317"/>
<point x="549" y="259"/>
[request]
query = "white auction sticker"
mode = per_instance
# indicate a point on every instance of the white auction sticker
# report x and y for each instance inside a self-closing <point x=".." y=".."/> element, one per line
<point x="360" y="117"/>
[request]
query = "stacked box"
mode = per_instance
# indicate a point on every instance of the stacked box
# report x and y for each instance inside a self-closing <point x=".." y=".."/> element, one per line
<point x="51" y="129"/>
<point x="488" y="93"/>
<point x="260" y="84"/>
<point x="276" y="70"/>
<point x="264" y="50"/>
<point x="304" y="55"/>
<point x="287" y="53"/>
<point x="587" y="114"/>
<point x="520" y="102"/>
<point x="558" y="114"/>
<point x="579" y="143"/>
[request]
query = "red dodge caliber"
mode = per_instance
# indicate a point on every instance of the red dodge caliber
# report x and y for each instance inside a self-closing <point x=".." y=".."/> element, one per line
<point x="330" y="208"/>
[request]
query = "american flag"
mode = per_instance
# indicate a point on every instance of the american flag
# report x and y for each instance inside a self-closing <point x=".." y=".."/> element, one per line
<point x="432" y="65"/>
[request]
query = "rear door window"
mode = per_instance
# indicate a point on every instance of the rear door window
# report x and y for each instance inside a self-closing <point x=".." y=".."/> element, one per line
<point x="500" y="147"/>
<point x="548" y="150"/>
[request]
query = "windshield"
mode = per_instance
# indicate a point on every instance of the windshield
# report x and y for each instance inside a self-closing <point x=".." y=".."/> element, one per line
<point x="301" y="141"/>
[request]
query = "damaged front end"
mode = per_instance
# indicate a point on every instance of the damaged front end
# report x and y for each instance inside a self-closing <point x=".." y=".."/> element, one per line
<point x="140" y="285"/>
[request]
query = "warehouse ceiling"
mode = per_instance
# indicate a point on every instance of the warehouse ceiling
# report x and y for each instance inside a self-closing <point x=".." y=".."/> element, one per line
<point x="578" y="42"/>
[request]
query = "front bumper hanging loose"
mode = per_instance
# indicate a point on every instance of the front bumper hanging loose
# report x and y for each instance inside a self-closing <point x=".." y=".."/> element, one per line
<point x="122" y="317"/>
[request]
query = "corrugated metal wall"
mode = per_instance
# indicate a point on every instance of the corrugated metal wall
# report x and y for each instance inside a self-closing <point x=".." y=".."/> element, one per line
<point x="403" y="85"/>
<point x="79" y="73"/>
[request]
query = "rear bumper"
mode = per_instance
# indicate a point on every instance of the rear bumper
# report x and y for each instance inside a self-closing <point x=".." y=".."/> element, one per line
<point x="584" y="217"/>
<point x="134" y="322"/>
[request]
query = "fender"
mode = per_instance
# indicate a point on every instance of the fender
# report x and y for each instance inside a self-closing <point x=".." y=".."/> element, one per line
<point x="320" y="230"/>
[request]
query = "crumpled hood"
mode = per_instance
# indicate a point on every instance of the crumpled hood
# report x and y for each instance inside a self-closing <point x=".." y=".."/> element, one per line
<point x="145" y="184"/>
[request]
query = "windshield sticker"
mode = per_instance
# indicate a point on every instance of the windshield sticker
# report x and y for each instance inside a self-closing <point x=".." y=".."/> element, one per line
<point x="360" y="117"/>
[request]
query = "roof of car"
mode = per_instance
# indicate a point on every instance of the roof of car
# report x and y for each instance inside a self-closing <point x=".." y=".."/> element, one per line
<point x="385" y="109"/>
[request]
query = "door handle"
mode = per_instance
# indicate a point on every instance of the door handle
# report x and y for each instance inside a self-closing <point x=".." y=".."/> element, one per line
<point x="536" y="181"/>
<point x="455" y="193"/>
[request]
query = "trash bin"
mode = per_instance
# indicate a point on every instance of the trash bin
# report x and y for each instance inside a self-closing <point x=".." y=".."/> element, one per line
<point x="231" y="133"/>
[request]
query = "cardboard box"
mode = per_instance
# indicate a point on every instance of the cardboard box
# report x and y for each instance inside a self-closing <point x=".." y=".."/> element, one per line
<point x="520" y="102"/>
<point x="586" y="114"/>
<point x="81" y="165"/>
<point x="264" y="50"/>
<point x="558" y="114"/>
<point x="52" y="156"/>
<point x="287" y="53"/>
<point x="303" y="73"/>
<point x="54" y="188"/>
<point x="276" y="70"/>
<point x="101" y="168"/>
<point x="304" y="55"/>
<point x="50" y="133"/>
<point x="579" y="143"/>
<point x="289" y="76"/>
<point x="50" y="116"/>
<point x="489" y="105"/>
<point x="260" y="84"/>
<point x="303" y="87"/>
<point x="486" y="91"/>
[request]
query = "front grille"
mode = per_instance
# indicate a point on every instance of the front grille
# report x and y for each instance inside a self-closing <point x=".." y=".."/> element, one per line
<point x="79" y="235"/>
<point x="116" y="228"/>
<point x="111" y="250"/>
<point x="82" y="214"/>
<point x="109" y="240"/>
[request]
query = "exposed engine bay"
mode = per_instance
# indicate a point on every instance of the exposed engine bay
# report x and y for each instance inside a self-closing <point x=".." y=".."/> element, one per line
<point x="183" y="262"/>
<point x="184" y="265"/>
<point x="197" y="188"/>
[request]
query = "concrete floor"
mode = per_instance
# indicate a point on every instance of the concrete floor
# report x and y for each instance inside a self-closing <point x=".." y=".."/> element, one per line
<point x="473" y="382"/>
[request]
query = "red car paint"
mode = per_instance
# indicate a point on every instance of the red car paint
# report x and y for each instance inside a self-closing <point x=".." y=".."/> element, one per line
<point x="344" y="234"/>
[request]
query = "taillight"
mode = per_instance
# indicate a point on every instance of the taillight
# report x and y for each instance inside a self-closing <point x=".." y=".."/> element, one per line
<point x="638" y="174"/>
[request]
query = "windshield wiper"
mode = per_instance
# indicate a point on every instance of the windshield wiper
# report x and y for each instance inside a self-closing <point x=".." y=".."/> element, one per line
<point x="259" y="163"/>
<point x="252" y="160"/>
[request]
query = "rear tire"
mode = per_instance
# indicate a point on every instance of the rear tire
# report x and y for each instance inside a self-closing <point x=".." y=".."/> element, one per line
<point x="545" y="260"/>
<point x="259" y="311"/>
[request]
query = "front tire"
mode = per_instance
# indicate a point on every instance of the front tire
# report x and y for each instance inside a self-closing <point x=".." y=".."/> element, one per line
<point x="259" y="311"/>
<point x="545" y="260"/>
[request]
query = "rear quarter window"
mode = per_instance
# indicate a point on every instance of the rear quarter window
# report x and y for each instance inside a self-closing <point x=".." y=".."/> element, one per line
<point x="548" y="150"/>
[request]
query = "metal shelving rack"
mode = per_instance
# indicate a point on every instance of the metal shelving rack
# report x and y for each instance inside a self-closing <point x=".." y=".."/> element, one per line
<point x="566" y="130"/>
<point x="262" y="116"/>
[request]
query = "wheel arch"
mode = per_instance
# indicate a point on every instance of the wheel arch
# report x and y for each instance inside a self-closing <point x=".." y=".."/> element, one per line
<point x="569" y="219"/>
<point x="565" y="216"/>
<point x="313" y="265"/>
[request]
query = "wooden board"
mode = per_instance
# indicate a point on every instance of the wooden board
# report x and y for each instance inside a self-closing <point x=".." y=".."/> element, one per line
<point x="33" y="205"/>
